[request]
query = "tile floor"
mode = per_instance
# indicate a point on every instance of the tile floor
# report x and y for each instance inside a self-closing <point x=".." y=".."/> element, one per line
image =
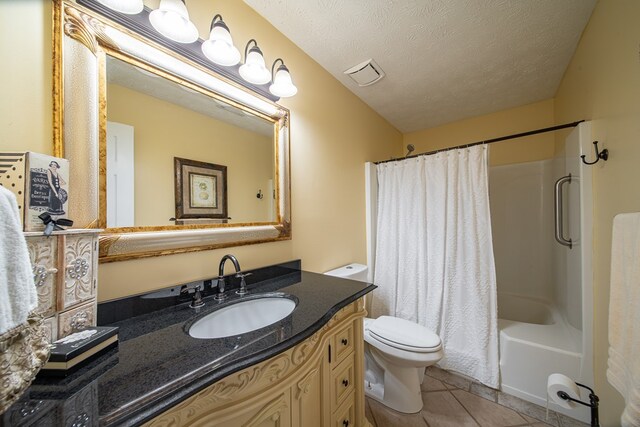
<point x="453" y="401"/>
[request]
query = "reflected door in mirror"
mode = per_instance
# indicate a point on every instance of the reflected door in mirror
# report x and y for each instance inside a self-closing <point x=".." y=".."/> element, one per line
<point x="120" y="175"/>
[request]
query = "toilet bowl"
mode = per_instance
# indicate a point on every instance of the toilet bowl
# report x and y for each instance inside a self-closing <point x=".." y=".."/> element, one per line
<point x="397" y="352"/>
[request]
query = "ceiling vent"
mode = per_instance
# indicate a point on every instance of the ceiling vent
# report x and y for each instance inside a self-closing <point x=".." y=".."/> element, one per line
<point x="366" y="73"/>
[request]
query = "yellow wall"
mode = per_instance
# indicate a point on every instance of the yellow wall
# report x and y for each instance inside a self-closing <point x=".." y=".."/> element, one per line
<point x="506" y="122"/>
<point x="163" y="130"/>
<point x="602" y="83"/>
<point x="332" y="134"/>
<point x="25" y="76"/>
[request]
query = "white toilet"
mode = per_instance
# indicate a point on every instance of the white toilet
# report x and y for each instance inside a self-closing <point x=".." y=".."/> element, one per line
<point x="396" y="353"/>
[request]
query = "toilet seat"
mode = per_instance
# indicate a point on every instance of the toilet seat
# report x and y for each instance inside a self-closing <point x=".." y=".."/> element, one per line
<point x="403" y="335"/>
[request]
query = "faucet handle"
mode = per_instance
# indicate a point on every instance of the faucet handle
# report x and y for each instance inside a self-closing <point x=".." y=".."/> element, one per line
<point x="197" y="298"/>
<point x="243" y="283"/>
<point x="220" y="283"/>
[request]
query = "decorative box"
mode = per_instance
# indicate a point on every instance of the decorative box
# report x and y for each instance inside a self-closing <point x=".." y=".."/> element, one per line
<point x="69" y="353"/>
<point x="39" y="182"/>
<point x="65" y="272"/>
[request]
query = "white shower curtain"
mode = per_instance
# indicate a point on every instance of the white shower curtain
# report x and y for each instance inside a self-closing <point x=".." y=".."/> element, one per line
<point x="434" y="255"/>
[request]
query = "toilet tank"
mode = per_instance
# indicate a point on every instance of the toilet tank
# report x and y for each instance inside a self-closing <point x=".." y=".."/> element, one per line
<point x="351" y="271"/>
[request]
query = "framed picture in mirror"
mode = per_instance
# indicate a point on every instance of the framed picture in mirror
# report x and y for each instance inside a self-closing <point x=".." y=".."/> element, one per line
<point x="200" y="189"/>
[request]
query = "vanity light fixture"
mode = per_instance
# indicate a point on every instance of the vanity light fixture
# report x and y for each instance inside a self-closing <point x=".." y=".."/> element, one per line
<point x="254" y="70"/>
<point x="171" y="20"/>
<point x="219" y="47"/>
<point x="129" y="7"/>
<point x="282" y="85"/>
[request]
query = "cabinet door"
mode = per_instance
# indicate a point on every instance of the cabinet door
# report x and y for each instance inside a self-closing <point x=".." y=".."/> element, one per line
<point x="79" y="270"/>
<point x="43" y="255"/>
<point x="307" y="399"/>
<point x="264" y="411"/>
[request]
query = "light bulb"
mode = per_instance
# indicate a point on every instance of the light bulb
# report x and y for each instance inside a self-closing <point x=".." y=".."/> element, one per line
<point x="253" y="70"/>
<point x="171" y="20"/>
<point x="219" y="47"/>
<point x="282" y="85"/>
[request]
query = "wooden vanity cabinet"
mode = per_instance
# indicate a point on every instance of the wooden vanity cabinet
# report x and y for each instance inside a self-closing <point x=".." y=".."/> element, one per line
<point x="317" y="383"/>
<point x="65" y="272"/>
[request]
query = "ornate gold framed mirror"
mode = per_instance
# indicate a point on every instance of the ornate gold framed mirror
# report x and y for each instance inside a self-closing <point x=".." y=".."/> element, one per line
<point x="125" y="108"/>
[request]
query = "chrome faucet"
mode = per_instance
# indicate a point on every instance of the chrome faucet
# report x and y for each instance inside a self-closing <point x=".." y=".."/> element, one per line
<point x="220" y="296"/>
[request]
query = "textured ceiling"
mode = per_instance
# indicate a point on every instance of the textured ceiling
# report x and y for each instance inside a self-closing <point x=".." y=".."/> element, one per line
<point x="444" y="60"/>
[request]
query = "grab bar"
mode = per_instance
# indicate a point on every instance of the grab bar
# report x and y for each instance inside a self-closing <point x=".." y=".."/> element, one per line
<point x="558" y="212"/>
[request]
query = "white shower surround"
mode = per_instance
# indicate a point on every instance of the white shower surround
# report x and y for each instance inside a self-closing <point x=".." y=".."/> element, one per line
<point x="545" y="304"/>
<point x="522" y="341"/>
<point x="428" y="270"/>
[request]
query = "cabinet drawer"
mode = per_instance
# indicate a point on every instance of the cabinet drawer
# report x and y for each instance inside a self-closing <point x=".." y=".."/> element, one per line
<point x="343" y="343"/>
<point x="43" y="253"/>
<point x="345" y="416"/>
<point x="80" y="270"/>
<point x="76" y="318"/>
<point x="342" y="382"/>
<point x="50" y="326"/>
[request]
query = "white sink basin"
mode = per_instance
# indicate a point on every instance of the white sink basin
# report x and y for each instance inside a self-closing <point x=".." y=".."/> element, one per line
<point x="242" y="317"/>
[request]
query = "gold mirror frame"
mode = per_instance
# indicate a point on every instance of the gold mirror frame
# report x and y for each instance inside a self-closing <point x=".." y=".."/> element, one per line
<point x="82" y="39"/>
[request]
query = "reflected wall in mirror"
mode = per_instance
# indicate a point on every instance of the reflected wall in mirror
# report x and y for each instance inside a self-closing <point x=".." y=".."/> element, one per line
<point x="125" y="108"/>
<point x="152" y="120"/>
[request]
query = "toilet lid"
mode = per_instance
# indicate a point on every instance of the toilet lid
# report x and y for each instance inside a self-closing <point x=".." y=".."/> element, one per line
<point x="403" y="334"/>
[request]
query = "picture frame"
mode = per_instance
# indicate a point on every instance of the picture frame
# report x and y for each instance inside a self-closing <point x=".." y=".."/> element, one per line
<point x="200" y="189"/>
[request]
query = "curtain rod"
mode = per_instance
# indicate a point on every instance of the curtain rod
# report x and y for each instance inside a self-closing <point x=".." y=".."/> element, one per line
<point x="489" y="141"/>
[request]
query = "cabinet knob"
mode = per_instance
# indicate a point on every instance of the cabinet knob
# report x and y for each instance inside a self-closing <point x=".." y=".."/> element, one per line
<point x="345" y="423"/>
<point x="344" y="341"/>
<point x="78" y="268"/>
<point x="40" y="274"/>
<point x="345" y="383"/>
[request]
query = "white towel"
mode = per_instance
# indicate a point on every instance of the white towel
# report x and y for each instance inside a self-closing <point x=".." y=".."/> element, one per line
<point x="623" y="370"/>
<point x="18" y="296"/>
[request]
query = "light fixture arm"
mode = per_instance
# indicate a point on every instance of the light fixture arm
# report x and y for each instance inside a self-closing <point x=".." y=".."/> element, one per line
<point x="274" y="65"/>
<point x="246" y="48"/>
<point x="220" y="22"/>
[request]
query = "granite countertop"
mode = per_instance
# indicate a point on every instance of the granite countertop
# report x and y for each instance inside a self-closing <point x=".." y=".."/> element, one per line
<point x="157" y="363"/>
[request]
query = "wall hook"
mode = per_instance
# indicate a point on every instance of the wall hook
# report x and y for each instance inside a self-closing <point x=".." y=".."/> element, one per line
<point x="604" y="155"/>
<point x="260" y="195"/>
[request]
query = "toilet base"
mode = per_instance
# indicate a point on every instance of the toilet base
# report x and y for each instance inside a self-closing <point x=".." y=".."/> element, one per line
<point x="376" y="392"/>
<point x="395" y="387"/>
<point x="393" y="375"/>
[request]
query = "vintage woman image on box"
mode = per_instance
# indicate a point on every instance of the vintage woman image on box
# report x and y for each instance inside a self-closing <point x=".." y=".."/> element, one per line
<point x="57" y="194"/>
<point x="48" y="185"/>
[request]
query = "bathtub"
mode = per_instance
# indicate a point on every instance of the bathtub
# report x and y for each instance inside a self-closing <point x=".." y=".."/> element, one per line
<point x="535" y="341"/>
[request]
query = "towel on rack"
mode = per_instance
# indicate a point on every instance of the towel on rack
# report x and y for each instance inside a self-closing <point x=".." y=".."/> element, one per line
<point x="623" y="371"/>
<point x="18" y="296"/>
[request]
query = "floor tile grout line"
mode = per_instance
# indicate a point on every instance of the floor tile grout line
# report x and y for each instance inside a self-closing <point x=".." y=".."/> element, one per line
<point x="465" y="408"/>
<point x="389" y="410"/>
<point x="526" y="423"/>
<point x="424" y="419"/>
<point x="373" y="415"/>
